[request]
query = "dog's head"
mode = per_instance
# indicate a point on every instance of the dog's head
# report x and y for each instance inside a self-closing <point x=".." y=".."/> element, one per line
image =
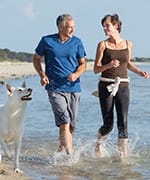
<point x="19" y="93"/>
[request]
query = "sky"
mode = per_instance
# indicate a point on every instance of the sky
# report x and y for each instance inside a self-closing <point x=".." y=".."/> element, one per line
<point x="24" y="22"/>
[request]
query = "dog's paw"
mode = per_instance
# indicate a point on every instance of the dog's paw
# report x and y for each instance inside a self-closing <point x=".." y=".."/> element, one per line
<point x="18" y="171"/>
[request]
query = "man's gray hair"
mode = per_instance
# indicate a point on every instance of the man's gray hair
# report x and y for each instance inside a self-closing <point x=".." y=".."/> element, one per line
<point x="61" y="20"/>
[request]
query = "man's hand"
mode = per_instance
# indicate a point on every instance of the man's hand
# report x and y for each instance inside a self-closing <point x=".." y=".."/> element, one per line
<point x="44" y="80"/>
<point x="72" y="77"/>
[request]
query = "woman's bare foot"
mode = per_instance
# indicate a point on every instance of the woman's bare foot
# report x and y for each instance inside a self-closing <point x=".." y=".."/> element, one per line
<point x="98" y="152"/>
<point x="123" y="147"/>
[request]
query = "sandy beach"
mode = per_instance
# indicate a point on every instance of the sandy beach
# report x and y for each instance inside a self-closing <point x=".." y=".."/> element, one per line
<point x="17" y="70"/>
<point x="7" y="173"/>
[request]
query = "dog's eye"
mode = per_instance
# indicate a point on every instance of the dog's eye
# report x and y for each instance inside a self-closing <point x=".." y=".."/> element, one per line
<point x="19" y="90"/>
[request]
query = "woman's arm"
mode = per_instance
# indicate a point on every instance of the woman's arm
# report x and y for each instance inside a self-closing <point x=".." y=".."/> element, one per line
<point x="132" y="67"/>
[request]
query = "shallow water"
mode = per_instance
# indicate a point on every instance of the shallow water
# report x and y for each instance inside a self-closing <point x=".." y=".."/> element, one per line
<point x="39" y="158"/>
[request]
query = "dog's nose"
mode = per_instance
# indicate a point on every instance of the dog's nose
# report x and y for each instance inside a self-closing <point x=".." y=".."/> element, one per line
<point x="29" y="89"/>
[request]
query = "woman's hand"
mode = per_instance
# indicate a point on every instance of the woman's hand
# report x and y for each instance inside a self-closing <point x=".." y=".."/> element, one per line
<point x="144" y="74"/>
<point x="114" y="63"/>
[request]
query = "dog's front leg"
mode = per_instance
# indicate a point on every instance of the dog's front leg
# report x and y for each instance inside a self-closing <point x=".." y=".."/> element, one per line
<point x="5" y="149"/>
<point x="17" y="154"/>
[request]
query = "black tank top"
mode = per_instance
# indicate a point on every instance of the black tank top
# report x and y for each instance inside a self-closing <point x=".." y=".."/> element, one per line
<point x="121" y="55"/>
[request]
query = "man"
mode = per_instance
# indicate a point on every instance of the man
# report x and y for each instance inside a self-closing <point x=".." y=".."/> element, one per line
<point x="64" y="56"/>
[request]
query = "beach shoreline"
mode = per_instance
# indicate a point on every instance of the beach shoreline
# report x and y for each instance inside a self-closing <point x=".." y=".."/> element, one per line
<point x="16" y="70"/>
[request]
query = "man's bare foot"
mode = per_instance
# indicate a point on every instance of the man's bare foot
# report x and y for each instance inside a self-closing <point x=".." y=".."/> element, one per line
<point x="98" y="152"/>
<point x="61" y="148"/>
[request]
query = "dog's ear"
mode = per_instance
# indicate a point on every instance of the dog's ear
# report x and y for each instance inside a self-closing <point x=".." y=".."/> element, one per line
<point x="9" y="88"/>
<point x="24" y="84"/>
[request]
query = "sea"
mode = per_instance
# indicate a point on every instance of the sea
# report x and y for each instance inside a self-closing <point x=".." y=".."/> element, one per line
<point x="39" y="158"/>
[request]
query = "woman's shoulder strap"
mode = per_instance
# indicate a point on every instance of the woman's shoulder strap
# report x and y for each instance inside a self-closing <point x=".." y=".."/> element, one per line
<point x="128" y="43"/>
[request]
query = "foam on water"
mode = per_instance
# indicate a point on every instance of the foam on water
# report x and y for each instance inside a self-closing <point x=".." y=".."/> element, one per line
<point x="83" y="161"/>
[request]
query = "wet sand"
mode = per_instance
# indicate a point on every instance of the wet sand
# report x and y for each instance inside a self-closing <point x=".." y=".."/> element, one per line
<point x="7" y="173"/>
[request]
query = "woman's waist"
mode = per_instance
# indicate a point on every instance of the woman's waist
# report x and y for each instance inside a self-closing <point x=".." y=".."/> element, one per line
<point x="121" y="81"/>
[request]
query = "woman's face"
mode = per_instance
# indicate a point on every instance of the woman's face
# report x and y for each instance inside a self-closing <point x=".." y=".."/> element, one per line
<point x="108" y="27"/>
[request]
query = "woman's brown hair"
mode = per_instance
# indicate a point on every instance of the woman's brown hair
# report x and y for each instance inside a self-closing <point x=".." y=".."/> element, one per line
<point x="114" y="20"/>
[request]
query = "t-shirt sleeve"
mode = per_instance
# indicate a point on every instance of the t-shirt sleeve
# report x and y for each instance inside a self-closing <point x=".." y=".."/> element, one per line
<point x="40" y="47"/>
<point x="81" y="50"/>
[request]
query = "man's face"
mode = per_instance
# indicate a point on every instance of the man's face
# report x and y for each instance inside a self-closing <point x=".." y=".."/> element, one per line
<point x="68" y="30"/>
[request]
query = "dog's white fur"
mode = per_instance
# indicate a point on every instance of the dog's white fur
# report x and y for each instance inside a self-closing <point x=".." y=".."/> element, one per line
<point x="12" y="121"/>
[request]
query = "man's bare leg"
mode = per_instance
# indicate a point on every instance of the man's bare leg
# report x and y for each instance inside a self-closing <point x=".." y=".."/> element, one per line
<point x="98" y="151"/>
<point x="65" y="138"/>
<point x="61" y="144"/>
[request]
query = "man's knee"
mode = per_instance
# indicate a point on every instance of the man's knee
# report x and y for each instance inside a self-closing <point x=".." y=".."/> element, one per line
<point x="64" y="127"/>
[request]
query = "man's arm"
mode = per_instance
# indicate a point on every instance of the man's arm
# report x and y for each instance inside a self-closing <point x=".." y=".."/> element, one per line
<point x="38" y="67"/>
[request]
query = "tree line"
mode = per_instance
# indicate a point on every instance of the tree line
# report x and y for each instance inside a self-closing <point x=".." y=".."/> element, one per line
<point x="7" y="55"/>
<point x="12" y="56"/>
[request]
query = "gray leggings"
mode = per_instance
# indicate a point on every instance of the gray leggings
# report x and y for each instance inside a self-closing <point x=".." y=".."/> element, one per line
<point x="107" y="103"/>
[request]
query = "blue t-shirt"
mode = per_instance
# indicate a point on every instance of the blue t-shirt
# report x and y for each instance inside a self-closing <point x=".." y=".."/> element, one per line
<point x="61" y="59"/>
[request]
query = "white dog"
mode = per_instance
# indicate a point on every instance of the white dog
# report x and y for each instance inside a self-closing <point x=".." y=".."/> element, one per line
<point x="11" y="121"/>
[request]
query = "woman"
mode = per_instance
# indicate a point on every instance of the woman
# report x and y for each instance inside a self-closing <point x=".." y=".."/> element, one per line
<point x="112" y="61"/>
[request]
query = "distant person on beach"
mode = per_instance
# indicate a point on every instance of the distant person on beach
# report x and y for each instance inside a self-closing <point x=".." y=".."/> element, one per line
<point x="112" y="61"/>
<point x="64" y="56"/>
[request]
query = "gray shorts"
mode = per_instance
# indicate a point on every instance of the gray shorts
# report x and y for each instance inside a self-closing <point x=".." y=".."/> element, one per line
<point x="65" y="107"/>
